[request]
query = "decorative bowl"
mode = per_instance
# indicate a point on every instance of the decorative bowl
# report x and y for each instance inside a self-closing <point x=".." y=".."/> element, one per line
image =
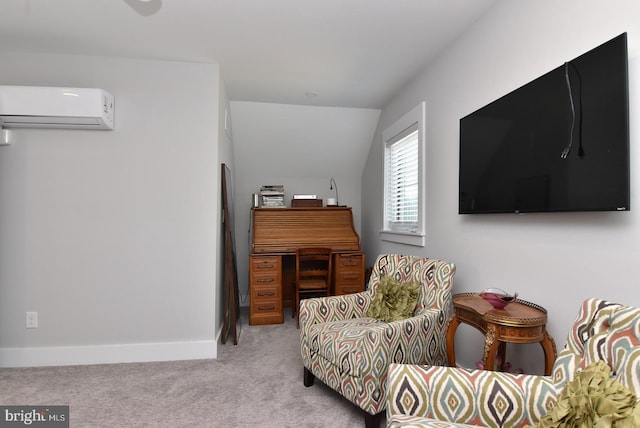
<point x="498" y="298"/>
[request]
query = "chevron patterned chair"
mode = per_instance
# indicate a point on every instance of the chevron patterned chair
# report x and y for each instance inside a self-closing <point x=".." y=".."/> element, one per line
<point x="601" y="358"/>
<point x="351" y="352"/>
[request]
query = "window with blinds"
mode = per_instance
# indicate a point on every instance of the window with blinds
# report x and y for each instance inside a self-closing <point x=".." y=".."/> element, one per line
<point x="402" y="182"/>
<point x="404" y="187"/>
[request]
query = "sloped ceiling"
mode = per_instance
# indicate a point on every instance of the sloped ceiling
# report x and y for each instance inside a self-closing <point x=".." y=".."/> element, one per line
<point x="301" y="141"/>
<point x="352" y="53"/>
<point x="347" y="54"/>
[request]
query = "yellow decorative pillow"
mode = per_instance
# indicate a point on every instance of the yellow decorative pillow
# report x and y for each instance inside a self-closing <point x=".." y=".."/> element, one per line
<point x="594" y="399"/>
<point x="394" y="300"/>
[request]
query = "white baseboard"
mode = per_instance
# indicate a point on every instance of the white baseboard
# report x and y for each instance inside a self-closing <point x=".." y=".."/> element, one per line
<point x="107" y="354"/>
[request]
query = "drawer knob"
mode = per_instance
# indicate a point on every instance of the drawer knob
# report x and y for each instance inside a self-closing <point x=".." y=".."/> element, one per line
<point x="265" y="280"/>
<point x="266" y="293"/>
<point x="266" y="308"/>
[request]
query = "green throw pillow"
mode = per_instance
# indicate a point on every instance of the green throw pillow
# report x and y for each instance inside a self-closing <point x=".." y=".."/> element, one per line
<point x="594" y="399"/>
<point x="394" y="300"/>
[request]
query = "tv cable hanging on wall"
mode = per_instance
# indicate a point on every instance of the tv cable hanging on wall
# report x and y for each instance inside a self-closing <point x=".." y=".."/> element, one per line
<point x="565" y="152"/>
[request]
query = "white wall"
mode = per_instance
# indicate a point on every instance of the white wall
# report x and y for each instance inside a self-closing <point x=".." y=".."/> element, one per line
<point x="555" y="260"/>
<point x="112" y="236"/>
<point x="301" y="147"/>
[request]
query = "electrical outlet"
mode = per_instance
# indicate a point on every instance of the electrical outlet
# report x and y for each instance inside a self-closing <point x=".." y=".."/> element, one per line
<point x="32" y="320"/>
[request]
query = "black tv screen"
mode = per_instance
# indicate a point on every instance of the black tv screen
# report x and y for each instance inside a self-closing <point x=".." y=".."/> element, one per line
<point x="558" y="143"/>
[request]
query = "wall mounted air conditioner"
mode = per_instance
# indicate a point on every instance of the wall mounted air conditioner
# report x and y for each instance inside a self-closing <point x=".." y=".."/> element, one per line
<point x="52" y="107"/>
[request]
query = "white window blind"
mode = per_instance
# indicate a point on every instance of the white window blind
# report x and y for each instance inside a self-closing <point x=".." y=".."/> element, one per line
<point x="404" y="179"/>
<point x="402" y="162"/>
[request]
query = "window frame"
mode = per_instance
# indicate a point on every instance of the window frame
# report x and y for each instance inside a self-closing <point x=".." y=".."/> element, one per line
<point x="402" y="127"/>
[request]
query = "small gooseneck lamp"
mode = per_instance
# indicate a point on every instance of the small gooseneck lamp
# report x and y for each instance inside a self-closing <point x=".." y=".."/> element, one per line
<point x="332" y="183"/>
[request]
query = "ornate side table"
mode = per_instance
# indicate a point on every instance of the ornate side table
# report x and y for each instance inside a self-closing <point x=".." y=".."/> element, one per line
<point x="518" y="322"/>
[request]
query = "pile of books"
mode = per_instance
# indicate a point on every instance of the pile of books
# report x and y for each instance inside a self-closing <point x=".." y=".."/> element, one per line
<point x="272" y="196"/>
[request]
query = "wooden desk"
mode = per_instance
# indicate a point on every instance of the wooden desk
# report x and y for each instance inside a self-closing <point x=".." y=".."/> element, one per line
<point x="276" y="234"/>
<point x="518" y="322"/>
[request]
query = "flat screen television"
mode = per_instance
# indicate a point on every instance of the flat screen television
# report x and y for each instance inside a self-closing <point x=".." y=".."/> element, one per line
<point x="559" y="143"/>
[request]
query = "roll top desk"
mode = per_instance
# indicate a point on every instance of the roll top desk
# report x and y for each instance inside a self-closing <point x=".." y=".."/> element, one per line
<point x="276" y="234"/>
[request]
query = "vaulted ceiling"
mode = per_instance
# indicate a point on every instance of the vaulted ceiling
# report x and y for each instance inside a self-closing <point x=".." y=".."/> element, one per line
<point x="274" y="55"/>
<point x="347" y="53"/>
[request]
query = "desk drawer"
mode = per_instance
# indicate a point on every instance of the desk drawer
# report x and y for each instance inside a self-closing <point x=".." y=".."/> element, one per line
<point x="349" y="261"/>
<point x="348" y="273"/>
<point x="266" y="311"/>
<point x="265" y="264"/>
<point x="265" y="271"/>
<point x="348" y="289"/>
<point x="350" y="277"/>
<point x="265" y="287"/>
<point x="264" y="279"/>
<point x="265" y="291"/>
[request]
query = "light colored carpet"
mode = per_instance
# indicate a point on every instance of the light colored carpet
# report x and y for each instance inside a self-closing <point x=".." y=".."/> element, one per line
<point x="257" y="383"/>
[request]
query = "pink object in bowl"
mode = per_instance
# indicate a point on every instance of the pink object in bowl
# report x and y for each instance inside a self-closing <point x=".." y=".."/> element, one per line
<point x="498" y="298"/>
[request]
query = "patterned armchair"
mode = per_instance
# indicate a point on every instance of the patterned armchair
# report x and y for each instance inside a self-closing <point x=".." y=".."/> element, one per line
<point x="351" y="353"/>
<point x="421" y="396"/>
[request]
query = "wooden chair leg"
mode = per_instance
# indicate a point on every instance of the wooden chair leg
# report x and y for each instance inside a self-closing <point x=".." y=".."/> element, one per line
<point x="372" y="421"/>
<point x="308" y="378"/>
<point x="296" y="301"/>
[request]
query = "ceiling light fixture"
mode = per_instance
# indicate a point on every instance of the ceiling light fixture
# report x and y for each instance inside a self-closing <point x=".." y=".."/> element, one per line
<point x="145" y="7"/>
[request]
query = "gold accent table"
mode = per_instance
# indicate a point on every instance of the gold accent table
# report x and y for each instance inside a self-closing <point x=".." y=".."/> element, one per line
<point x="518" y="322"/>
